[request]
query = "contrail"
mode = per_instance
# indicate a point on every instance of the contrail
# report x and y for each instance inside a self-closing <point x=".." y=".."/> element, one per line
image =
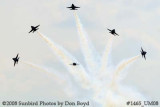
<point x="78" y="72"/>
<point x="55" y="77"/>
<point x="34" y="66"/>
<point x="121" y="67"/>
<point x="90" y="55"/>
<point x="105" y="57"/>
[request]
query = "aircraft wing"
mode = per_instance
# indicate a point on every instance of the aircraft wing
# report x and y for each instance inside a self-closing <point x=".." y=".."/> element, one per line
<point x="14" y="63"/>
<point x="74" y="9"/>
<point x="77" y="7"/>
<point x="144" y="57"/>
<point x="17" y="56"/>
<point x="30" y="31"/>
<point x="37" y="26"/>
<point x="109" y="30"/>
<point x="69" y="7"/>
<point x="116" y="34"/>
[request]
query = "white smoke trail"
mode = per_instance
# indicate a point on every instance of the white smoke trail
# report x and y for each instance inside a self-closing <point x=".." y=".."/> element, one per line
<point x="55" y="77"/>
<point x="34" y="66"/>
<point x="111" y="86"/>
<point x="105" y="58"/>
<point x="120" y="99"/>
<point x="78" y="72"/>
<point x="121" y="67"/>
<point x="90" y="55"/>
<point x="103" y="71"/>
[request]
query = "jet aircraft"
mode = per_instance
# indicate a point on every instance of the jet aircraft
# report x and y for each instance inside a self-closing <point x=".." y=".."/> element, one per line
<point x="33" y="29"/>
<point x="16" y="59"/>
<point x="73" y="7"/>
<point x="74" y="64"/>
<point x="113" y="32"/>
<point x="143" y="53"/>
